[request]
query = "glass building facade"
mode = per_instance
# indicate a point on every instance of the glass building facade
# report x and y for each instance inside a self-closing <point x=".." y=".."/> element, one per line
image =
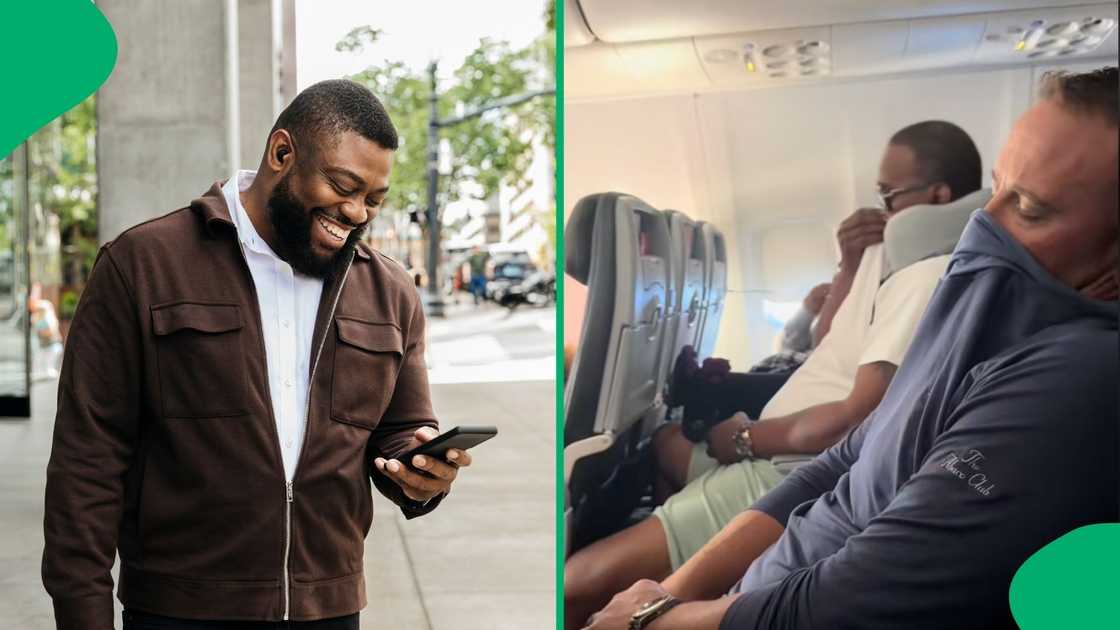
<point x="48" y="240"/>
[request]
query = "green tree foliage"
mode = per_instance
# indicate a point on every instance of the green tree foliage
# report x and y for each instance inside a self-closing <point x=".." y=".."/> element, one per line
<point x="66" y="173"/>
<point x="491" y="150"/>
<point x="358" y="38"/>
<point x="405" y="95"/>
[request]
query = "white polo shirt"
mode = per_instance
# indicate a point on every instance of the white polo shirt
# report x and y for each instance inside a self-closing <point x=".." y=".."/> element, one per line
<point x="288" y="303"/>
<point x="874" y="323"/>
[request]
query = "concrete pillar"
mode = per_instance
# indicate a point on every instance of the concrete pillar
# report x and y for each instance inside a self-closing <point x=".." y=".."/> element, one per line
<point x="164" y="127"/>
<point x="259" y="24"/>
<point x="193" y="95"/>
<point x="288" y="83"/>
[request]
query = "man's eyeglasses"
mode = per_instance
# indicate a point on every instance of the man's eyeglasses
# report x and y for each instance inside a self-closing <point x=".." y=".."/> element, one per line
<point x="887" y="197"/>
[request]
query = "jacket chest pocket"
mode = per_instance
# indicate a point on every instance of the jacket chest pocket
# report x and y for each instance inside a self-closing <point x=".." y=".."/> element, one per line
<point x="367" y="358"/>
<point x="200" y="358"/>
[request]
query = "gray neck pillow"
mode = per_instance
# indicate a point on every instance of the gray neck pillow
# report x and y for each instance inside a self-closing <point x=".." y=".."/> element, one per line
<point x="921" y="232"/>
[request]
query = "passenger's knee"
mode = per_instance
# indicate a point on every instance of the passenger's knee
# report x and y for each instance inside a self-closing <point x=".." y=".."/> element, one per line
<point x="671" y="450"/>
<point x="583" y="576"/>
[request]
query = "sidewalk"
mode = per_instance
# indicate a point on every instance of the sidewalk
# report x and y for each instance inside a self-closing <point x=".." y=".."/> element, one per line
<point x="491" y="344"/>
<point x="484" y="560"/>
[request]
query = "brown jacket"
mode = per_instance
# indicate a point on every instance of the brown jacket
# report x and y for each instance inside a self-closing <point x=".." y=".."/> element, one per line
<point x="165" y="446"/>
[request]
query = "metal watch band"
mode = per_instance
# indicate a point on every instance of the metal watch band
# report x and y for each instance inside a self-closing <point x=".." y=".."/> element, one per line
<point x="744" y="445"/>
<point x="652" y="610"/>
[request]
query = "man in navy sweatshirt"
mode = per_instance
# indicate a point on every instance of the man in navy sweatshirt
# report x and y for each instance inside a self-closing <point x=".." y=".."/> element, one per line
<point x="997" y="435"/>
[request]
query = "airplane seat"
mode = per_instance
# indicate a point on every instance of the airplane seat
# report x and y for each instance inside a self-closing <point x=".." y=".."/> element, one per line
<point x="677" y="253"/>
<point x="689" y="283"/>
<point x="701" y="251"/>
<point x="716" y="291"/>
<point x="618" y="246"/>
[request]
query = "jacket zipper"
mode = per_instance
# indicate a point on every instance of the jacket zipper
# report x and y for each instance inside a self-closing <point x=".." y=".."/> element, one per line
<point x="307" y="413"/>
<point x="287" y="548"/>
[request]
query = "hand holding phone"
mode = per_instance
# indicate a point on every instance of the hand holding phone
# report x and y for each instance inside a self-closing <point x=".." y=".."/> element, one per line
<point x="434" y="475"/>
<point x="461" y="438"/>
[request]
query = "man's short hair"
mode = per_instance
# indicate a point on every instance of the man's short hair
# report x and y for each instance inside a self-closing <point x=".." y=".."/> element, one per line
<point x="945" y="153"/>
<point x="321" y="113"/>
<point x="1093" y="92"/>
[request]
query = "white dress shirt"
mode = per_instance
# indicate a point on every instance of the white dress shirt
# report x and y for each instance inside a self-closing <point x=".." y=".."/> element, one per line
<point x="288" y="302"/>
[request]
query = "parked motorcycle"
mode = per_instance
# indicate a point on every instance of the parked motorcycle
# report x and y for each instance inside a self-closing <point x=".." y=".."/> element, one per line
<point x="537" y="289"/>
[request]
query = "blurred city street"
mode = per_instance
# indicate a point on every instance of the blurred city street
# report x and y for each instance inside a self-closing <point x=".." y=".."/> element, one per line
<point x="484" y="560"/>
<point x="488" y="343"/>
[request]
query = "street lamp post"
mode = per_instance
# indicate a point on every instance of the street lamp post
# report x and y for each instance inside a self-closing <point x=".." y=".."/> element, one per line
<point x="435" y="295"/>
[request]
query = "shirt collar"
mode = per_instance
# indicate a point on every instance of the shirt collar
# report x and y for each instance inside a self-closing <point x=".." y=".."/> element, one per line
<point x="246" y="231"/>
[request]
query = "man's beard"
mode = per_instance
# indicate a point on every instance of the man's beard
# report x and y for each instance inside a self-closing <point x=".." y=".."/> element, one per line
<point x="291" y="220"/>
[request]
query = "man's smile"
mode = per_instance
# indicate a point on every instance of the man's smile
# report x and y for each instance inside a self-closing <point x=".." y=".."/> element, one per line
<point x="332" y="232"/>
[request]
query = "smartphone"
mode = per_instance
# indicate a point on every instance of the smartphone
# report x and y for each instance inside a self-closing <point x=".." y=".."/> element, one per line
<point x="461" y="438"/>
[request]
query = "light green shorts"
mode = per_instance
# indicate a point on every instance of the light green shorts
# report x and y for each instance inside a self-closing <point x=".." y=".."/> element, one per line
<point x="714" y="495"/>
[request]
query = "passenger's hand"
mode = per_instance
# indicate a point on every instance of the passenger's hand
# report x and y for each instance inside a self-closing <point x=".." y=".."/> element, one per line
<point x="437" y="476"/>
<point x="721" y="439"/>
<point x="617" y="614"/>
<point x="817" y="295"/>
<point x="862" y="228"/>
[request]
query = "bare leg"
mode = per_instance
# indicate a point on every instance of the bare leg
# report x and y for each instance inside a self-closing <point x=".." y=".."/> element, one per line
<point x="673" y="453"/>
<point x="662" y="489"/>
<point x="597" y="572"/>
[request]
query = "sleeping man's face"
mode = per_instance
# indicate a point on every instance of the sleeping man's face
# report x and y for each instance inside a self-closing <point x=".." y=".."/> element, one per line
<point x="1055" y="191"/>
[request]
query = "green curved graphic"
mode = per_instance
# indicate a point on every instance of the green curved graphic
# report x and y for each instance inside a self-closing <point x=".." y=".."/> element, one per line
<point x="55" y="53"/>
<point x="1071" y="582"/>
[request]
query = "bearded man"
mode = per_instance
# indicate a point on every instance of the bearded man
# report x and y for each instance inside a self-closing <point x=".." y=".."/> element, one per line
<point x="238" y="373"/>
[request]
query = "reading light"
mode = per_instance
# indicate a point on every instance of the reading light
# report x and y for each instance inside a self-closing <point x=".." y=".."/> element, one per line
<point x="1031" y="36"/>
<point x="749" y="58"/>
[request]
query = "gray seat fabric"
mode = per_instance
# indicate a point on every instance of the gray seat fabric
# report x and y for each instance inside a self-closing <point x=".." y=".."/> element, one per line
<point x="617" y="246"/>
<point x="715" y="272"/>
<point x="686" y="288"/>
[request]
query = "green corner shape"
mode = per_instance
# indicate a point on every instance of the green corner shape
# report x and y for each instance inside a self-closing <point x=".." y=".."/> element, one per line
<point x="56" y="53"/>
<point x="1073" y="582"/>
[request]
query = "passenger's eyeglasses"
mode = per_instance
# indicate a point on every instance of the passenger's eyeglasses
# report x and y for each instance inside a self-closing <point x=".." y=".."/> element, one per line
<point x="885" y="198"/>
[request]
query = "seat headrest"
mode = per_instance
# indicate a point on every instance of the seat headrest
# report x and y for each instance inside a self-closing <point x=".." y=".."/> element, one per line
<point x="920" y="232"/>
<point x="578" y="235"/>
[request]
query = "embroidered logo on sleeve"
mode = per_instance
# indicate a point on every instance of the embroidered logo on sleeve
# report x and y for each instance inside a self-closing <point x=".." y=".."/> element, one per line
<point x="968" y="468"/>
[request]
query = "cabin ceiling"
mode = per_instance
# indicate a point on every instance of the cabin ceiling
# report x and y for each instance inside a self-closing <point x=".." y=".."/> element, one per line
<point x="619" y="48"/>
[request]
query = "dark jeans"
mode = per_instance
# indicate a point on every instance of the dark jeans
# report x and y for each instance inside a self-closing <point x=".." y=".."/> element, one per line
<point x="137" y="620"/>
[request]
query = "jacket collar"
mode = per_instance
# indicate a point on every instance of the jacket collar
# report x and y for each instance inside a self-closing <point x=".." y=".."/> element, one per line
<point x="212" y="210"/>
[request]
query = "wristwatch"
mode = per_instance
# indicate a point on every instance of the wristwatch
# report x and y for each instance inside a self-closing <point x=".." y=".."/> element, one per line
<point x="651" y="610"/>
<point x="744" y="445"/>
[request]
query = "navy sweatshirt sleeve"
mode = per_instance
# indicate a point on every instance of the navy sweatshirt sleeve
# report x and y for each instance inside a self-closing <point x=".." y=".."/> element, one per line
<point x="1029" y="454"/>
<point x="809" y="482"/>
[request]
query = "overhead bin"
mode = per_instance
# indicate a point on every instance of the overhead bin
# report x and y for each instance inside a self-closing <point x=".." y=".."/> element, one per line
<point x="776" y="57"/>
<point x="627" y="21"/>
<point x="576" y="31"/>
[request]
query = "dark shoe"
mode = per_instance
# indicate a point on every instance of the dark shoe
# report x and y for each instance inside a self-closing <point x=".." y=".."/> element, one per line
<point x="681" y="377"/>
